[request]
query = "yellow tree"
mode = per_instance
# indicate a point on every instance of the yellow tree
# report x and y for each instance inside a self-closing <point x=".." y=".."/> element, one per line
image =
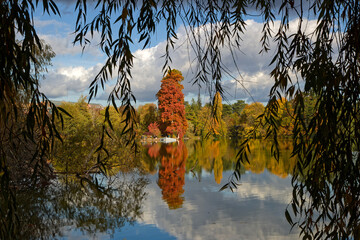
<point x="217" y="113"/>
<point x="249" y="115"/>
<point x="215" y="126"/>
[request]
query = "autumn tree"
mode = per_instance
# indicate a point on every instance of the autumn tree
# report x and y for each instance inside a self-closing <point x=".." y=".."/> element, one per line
<point x="154" y="129"/>
<point x="81" y="135"/>
<point x="171" y="105"/>
<point x="147" y="114"/>
<point x="286" y="121"/>
<point x="217" y="112"/>
<point x="249" y="118"/>
<point x="217" y="125"/>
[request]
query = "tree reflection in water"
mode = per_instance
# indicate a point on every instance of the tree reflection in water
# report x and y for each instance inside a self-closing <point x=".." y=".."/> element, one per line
<point x="326" y="194"/>
<point x="87" y="204"/>
<point x="209" y="156"/>
<point x="325" y="203"/>
<point x="261" y="159"/>
<point x="171" y="171"/>
<point x="326" y="200"/>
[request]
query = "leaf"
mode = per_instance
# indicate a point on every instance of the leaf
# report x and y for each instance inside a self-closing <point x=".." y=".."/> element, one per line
<point x="288" y="218"/>
<point x="226" y="186"/>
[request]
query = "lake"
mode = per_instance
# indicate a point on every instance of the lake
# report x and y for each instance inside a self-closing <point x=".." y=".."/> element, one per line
<point x="175" y="196"/>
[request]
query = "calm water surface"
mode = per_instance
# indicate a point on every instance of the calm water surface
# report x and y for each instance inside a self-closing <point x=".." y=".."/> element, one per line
<point x="179" y="197"/>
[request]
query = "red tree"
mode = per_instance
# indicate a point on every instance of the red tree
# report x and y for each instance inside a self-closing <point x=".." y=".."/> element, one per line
<point x="171" y="105"/>
<point x="154" y="129"/>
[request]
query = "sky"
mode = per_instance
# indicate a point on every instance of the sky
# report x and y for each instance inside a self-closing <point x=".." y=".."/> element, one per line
<point x="73" y="70"/>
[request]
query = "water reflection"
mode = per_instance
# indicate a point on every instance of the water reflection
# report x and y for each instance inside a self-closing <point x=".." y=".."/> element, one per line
<point x="261" y="160"/>
<point x="178" y="198"/>
<point x="219" y="156"/>
<point x="326" y="199"/>
<point x="214" y="157"/>
<point x="210" y="156"/>
<point x="172" y="173"/>
<point x="92" y="205"/>
<point x="254" y="211"/>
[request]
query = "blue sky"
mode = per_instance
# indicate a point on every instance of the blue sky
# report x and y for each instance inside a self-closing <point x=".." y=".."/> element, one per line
<point x="72" y="71"/>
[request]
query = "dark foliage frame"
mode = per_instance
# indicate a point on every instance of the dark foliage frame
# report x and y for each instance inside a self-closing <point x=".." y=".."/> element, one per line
<point x="324" y="62"/>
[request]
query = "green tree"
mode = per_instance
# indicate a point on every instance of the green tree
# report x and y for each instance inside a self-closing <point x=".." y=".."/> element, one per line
<point x="238" y="107"/>
<point x="80" y="138"/>
<point x="227" y="111"/>
<point x="247" y="121"/>
<point x="147" y="114"/>
<point x="194" y="118"/>
<point x="231" y="116"/>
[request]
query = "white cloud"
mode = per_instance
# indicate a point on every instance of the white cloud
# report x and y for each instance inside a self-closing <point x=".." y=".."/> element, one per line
<point x="39" y="23"/>
<point x="251" y="86"/>
<point x="59" y="34"/>
<point x="255" y="211"/>
<point x="62" y="44"/>
<point x="62" y="81"/>
<point x="147" y="71"/>
<point x="251" y="68"/>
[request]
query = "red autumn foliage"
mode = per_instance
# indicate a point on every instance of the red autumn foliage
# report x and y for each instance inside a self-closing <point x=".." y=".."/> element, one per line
<point x="172" y="173"/>
<point x="171" y="105"/>
<point x="154" y="129"/>
<point x="154" y="150"/>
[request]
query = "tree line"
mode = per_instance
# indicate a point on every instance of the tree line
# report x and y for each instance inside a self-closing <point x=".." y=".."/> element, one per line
<point x="232" y="120"/>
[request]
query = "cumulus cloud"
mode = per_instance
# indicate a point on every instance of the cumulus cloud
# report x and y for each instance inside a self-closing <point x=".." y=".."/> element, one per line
<point x="247" y="71"/>
<point x="62" y="81"/>
<point x="252" y="66"/>
<point x="255" y="211"/>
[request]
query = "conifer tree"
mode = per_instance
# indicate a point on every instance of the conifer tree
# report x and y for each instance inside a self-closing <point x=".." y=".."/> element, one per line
<point x="171" y="105"/>
<point x="217" y="112"/>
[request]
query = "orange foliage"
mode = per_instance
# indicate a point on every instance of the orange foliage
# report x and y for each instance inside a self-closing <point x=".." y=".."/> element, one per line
<point x="154" y="150"/>
<point x="172" y="173"/>
<point x="154" y="129"/>
<point x="218" y="169"/>
<point x="171" y="105"/>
